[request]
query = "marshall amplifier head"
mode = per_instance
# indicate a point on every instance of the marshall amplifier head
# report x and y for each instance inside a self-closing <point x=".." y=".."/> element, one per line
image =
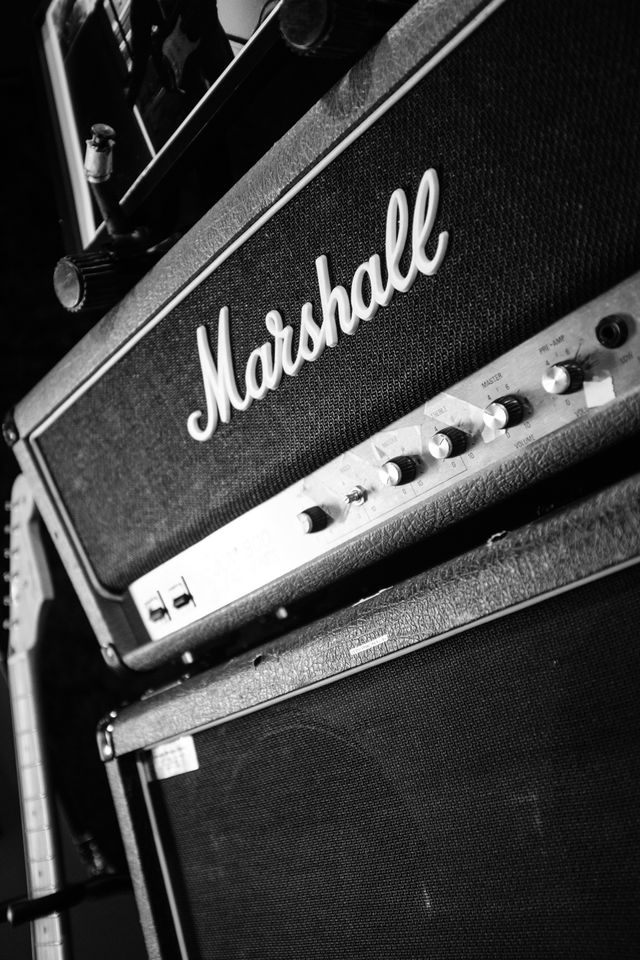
<point x="422" y="300"/>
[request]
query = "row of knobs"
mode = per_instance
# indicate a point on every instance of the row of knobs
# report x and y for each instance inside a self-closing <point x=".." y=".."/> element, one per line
<point x="505" y="412"/>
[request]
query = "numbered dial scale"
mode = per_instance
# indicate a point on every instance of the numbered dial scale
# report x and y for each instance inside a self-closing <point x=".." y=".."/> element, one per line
<point x="577" y="366"/>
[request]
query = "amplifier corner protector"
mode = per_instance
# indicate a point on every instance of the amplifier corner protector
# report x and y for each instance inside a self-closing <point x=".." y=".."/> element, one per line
<point x="104" y="736"/>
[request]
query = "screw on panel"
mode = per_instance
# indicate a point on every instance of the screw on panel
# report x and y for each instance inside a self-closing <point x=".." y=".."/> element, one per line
<point x="9" y="430"/>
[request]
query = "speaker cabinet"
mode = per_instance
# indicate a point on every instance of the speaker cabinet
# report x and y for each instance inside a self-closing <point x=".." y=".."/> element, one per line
<point x="357" y="789"/>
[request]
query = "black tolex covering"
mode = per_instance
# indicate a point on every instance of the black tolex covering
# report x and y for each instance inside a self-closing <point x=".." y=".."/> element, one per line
<point x="475" y="798"/>
<point x="533" y="126"/>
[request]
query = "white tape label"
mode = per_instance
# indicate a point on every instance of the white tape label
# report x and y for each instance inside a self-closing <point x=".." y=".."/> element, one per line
<point x="176" y="757"/>
<point x="598" y="392"/>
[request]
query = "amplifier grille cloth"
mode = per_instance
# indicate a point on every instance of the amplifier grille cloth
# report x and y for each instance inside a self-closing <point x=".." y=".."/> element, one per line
<point x="477" y="798"/>
<point x="533" y="125"/>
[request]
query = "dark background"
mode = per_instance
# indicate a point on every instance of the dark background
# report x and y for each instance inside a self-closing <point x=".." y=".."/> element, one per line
<point x="36" y="333"/>
<point x="36" y="330"/>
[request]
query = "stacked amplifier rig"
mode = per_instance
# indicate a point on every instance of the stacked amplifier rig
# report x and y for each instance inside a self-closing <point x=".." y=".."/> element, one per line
<point x="421" y="305"/>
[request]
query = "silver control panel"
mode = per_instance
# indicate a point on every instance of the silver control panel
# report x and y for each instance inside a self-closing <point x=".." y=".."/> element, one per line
<point x="574" y="368"/>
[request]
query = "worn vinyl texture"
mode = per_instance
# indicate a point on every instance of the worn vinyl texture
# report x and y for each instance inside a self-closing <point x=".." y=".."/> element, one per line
<point x="533" y="126"/>
<point x="553" y="553"/>
<point x="615" y="424"/>
<point x="476" y="798"/>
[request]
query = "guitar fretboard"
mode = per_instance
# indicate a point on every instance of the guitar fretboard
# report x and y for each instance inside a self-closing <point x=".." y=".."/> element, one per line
<point x="30" y="590"/>
<point x="39" y="837"/>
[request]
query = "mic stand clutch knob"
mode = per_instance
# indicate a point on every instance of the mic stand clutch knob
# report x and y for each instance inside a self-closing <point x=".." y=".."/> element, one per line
<point x="96" y="280"/>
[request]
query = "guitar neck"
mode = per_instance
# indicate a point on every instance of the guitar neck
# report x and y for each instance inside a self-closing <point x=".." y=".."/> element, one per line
<point x="30" y="589"/>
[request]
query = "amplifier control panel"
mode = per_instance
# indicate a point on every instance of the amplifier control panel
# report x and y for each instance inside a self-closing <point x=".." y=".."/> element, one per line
<point x="574" y="368"/>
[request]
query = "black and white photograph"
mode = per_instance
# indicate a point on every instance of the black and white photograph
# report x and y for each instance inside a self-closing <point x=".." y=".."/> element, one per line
<point x="320" y="474"/>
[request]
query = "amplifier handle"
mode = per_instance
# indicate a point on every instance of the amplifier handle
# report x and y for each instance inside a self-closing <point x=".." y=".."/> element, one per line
<point x="30" y="592"/>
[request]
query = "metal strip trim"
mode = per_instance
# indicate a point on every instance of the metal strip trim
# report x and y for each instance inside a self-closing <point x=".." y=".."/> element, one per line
<point x="376" y="660"/>
<point x="142" y="769"/>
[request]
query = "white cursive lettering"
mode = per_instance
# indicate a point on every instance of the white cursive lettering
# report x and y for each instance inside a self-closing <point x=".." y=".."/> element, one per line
<point x="340" y="310"/>
<point x="220" y="388"/>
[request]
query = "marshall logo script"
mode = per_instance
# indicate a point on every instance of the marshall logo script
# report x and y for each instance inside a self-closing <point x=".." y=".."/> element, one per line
<point x="268" y="362"/>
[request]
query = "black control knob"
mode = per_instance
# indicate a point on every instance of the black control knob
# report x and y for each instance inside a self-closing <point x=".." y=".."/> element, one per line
<point x="96" y="280"/>
<point x="565" y="377"/>
<point x="337" y="28"/>
<point x="313" y="520"/>
<point x="504" y="412"/>
<point x="397" y="471"/>
<point x="446" y="443"/>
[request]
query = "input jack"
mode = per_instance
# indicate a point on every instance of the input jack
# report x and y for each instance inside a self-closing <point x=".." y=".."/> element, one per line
<point x="612" y="331"/>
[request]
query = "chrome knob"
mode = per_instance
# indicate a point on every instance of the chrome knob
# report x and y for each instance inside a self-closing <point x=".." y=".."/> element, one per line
<point x="312" y="520"/>
<point x="447" y="443"/>
<point x="397" y="471"/>
<point x="504" y="412"/>
<point x="565" y="377"/>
